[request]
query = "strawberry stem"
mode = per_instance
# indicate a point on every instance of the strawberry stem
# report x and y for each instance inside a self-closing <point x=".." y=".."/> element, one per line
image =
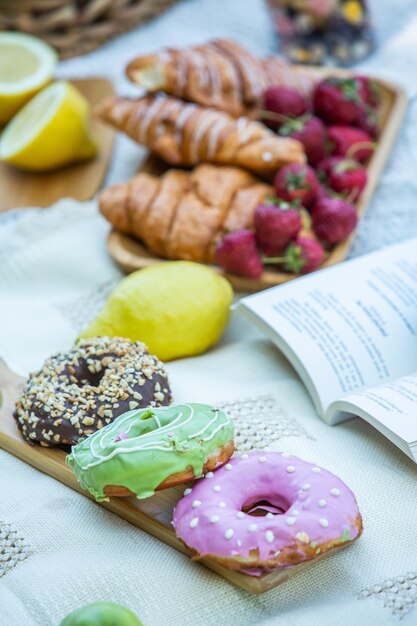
<point x="274" y="117"/>
<point x="271" y="260"/>
<point x="359" y="145"/>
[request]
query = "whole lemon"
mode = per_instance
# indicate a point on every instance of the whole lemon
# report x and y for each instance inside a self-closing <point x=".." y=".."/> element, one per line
<point x="176" y="308"/>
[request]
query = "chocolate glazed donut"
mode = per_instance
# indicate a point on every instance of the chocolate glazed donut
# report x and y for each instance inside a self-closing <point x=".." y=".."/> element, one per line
<point x="78" y="392"/>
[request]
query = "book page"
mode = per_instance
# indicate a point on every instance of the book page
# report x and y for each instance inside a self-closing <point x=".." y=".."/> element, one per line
<point x="351" y="326"/>
<point x="393" y="405"/>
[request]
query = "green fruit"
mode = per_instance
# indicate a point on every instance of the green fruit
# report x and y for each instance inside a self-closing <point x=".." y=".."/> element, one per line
<point x="101" y="614"/>
<point x="176" y="308"/>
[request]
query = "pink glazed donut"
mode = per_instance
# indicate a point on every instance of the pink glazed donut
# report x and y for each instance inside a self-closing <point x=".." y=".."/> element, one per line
<point x="310" y="512"/>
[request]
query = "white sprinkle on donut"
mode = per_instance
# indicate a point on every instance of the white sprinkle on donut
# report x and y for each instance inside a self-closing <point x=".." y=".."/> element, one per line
<point x="222" y="505"/>
<point x="277" y="553"/>
<point x="217" y="488"/>
<point x="252" y="528"/>
<point x="214" y="519"/>
<point x="196" y="503"/>
<point x="316" y="470"/>
<point x="244" y="456"/>
<point x="187" y="491"/>
<point x="290" y="469"/>
<point x="228" y="466"/>
<point x="194" y="522"/>
<point x="322" y="503"/>
<point x="306" y="487"/>
<point x="286" y="455"/>
<point x="269" y="515"/>
<point x="269" y="536"/>
<point x="335" y="492"/>
<point x="238" y="543"/>
<point x="295" y="512"/>
<point x="229" y="533"/>
<point x="303" y="537"/>
<point x="323" y="522"/>
<point x="209" y="475"/>
<point x="240" y="515"/>
<point x="262" y="459"/>
<point x="290" y="521"/>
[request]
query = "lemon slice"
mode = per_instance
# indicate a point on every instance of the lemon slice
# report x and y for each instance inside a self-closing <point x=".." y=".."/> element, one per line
<point x="50" y="131"/>
<point x="26" y="65"/>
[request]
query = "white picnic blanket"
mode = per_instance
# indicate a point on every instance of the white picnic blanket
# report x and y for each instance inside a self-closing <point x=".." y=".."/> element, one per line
<point x="58" y="550"/>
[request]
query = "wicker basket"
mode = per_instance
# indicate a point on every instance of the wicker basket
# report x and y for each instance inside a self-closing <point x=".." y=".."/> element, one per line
<point x="75" y="27"/>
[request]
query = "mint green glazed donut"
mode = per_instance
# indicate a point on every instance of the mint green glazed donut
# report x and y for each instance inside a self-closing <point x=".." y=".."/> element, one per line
<point x="143" y="448"/>
<point x="101" y="614"/>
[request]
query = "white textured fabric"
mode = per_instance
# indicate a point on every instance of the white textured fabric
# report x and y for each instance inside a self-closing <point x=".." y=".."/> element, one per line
<point x="55" y="274"/>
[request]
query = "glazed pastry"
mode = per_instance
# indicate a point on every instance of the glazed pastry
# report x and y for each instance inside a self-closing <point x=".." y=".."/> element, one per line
<point x="144" y="451"/>
<point x="181" y="215"/>
<point x="220" y="74"/>
<point x="186" y="134"/>
<point x="310" y="512"/>
<point x="78" y="392"/>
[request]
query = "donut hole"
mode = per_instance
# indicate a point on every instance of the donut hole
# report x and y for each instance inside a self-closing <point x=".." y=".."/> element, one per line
<point x="262" y="506"/>
<point x="85" y="377"/>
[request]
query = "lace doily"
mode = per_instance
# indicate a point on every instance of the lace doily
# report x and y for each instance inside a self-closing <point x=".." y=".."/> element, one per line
<point x="13" y="548"/>
<point x="398" y="594"/>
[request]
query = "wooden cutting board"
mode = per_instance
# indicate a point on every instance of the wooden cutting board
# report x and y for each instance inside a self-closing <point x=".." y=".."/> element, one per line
<point x="153" y="515"/>
<point x="81" y="181"/>
<point x="130" y="254"/>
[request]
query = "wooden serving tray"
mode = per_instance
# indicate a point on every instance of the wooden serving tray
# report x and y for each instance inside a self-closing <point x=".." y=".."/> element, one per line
<point x="131" y="255"/>
<point x="80" y="181"/>
<point x="153" y="515"/>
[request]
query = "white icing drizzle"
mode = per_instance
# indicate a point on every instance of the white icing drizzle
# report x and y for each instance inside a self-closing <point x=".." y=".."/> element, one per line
<point x="149" y="116"/>
<point x="213" y="136"/>
<point x="117" y="426"/>
<point x="244" y="129"/>
<point x="207" y="119"/>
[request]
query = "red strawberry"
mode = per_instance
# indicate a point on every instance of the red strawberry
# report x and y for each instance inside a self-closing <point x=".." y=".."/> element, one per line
<point x="275" y="226"/>
<point x="284" y="101"/>
<point x="303" y="255"/>
<point x="344" y="176"/>
<point x="370" y="90"/>
<point x="339" y="101"/>
<point x="333" y="219"/>
<point x="311" y="132"/>
<point x="369" y="122"/>
<point x="297" y="182"/>
<point x="237" y="254"/>
<point x="348" y="139"/>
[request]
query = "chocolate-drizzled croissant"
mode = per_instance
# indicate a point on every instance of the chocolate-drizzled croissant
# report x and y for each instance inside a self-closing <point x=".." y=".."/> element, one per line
<point x="182" y="215"/>
<point x="185" y="134"/>
<point x="220" y="74"/>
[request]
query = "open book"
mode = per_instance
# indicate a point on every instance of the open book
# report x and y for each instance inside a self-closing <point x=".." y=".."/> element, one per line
<point x="350" y="331"/>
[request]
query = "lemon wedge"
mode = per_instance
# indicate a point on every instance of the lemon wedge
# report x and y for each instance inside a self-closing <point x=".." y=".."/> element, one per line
<point x="26" y="65"/>
<point x="50" y="131"/>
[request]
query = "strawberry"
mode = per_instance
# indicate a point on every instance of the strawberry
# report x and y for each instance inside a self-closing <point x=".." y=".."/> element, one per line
<point x="369" y="122"/>
<point x="344" y="176"/>
<point x="350" y="140"/>
<point x="370" y="91"/>
<point x="339" y="101"/>
<point x="303" y="255"/>
<point x="297" y="182"/>
<point x="237" y="254"/>
<point x="275" y="225"/>
<point x="333" y="219"/>
<point x="284" y="101"/>
<point x="311" y="132"/>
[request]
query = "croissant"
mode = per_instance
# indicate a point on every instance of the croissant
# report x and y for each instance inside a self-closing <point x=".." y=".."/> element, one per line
<point x="220" y="74"/>
<point x="182" y="215"/>
<point x="185" y="134"/>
